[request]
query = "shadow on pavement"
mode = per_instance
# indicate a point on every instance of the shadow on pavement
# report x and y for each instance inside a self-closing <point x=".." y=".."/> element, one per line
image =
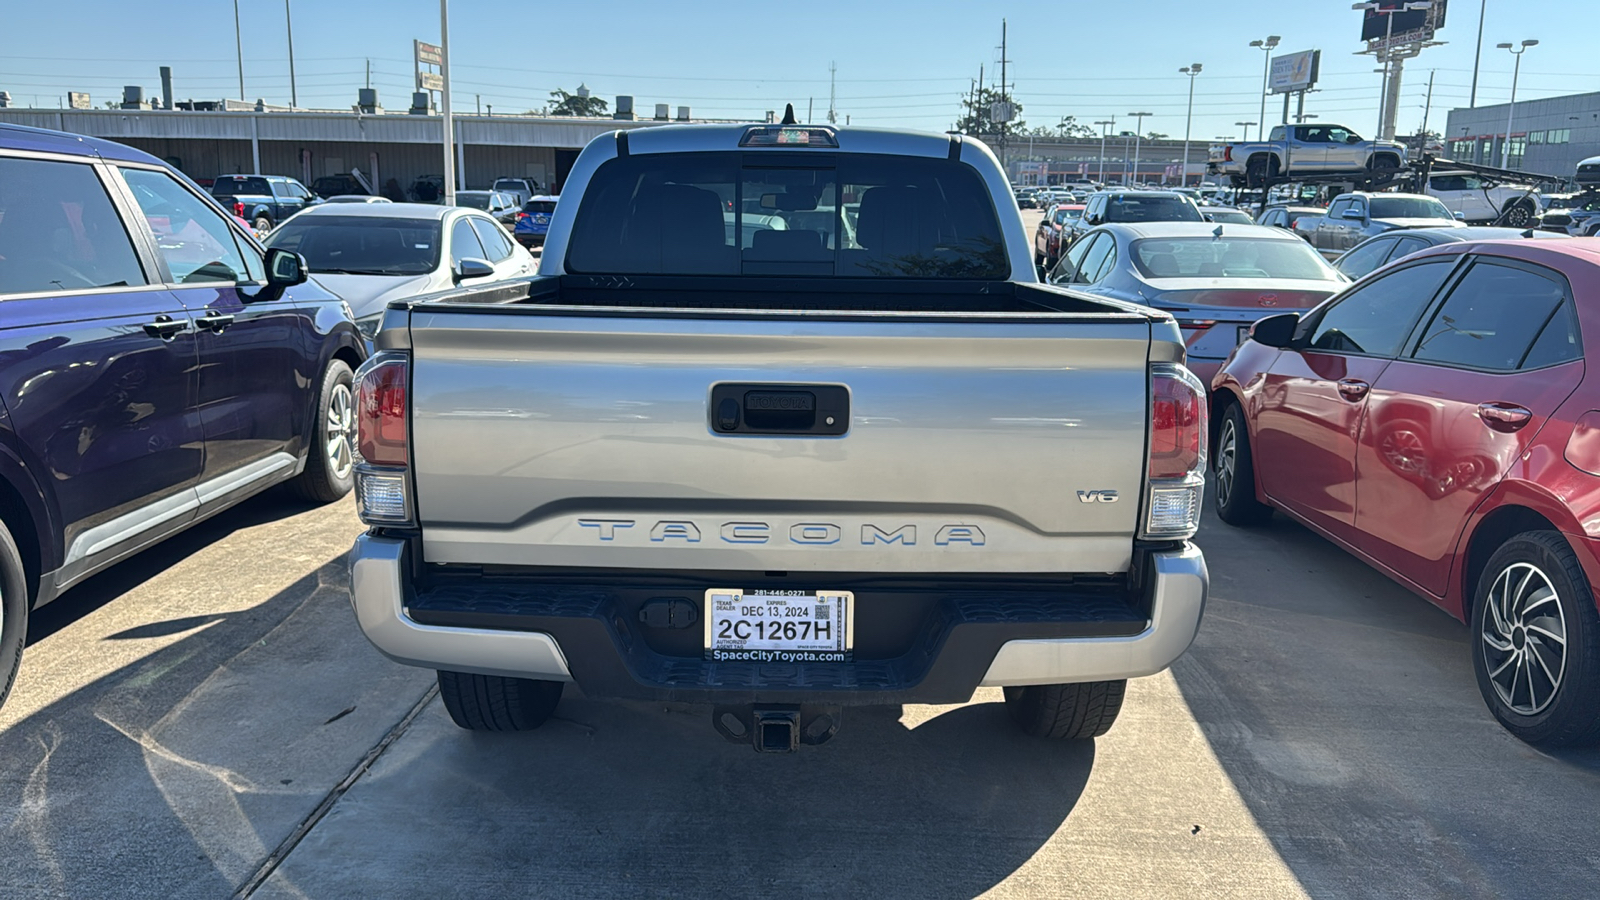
<point x="1345" y="711"/>
<point x="175" y="775"/>
<point x="614" y="800"/>
<point x="93" y="593"/>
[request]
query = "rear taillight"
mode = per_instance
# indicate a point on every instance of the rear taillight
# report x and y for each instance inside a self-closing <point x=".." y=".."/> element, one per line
<point x="1175" y="471"/>
<point x="382" y="441"/>
<point x="238" y="208"/>
<point x="521" y="216"/>
<point x="1227" y="153"/>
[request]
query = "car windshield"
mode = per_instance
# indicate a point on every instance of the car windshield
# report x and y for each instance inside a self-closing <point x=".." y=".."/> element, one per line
<point x="1134" y="208"/>
<point x="1062" y="215"/>
<point x="539" y="206"/>
<point x="476" y="201"/>
<point x="1408" y="208"/>
<point x="361" y="245"/>
<point x="1224" y="257"/>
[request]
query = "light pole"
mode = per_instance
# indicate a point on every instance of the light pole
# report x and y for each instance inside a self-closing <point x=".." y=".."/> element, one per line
<point x="238" y="48"/>
<point x="288" y="22"/>
<point x="1511" y="111"/>
<point x="1138" y="132"/>
<point x="1266" y="47"/>
<point x="1477" y="54"/>
<point x="444" y="105"/>
<point x="1246" y="127"/>
<point x="1190" y="70"/>
<point x="1103" y="123"/>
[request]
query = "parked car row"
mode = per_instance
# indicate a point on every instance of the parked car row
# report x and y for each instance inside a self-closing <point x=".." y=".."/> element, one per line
<point x="158" y="364"/>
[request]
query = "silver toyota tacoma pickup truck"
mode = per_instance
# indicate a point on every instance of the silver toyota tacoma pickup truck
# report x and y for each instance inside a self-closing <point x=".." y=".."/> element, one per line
<point x="785" y="424"/>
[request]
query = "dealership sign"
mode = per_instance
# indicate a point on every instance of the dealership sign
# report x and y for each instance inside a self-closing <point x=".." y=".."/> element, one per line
<point x="1408" y="26"/>
<point x="1294" y="72"/>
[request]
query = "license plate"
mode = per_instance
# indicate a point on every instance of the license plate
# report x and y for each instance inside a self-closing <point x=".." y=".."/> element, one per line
<point x="1244" y="333"/>
<point x="779" y="626"/>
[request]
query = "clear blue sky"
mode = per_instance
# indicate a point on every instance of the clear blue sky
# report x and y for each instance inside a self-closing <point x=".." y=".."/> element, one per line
<point x="899" y="63"/>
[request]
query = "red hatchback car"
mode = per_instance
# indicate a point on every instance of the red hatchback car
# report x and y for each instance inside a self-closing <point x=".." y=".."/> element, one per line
<point x="1437" y="420"/>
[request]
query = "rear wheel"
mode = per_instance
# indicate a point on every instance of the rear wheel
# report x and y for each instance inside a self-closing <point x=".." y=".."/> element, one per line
<point x="1517" y="214"/>
<point x="262" y="224"/>
<point x="13" y="611"/>
<point x="1235" y="493"/>
<point x="1255" y="172"/>
<point x="1536" y="642"/>
<point x="496" y="703"/>
<point x="1066" y="711"/>
<point x="330" y="466"/>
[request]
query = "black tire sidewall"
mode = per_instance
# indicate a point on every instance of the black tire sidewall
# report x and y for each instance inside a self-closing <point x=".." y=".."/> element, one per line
<point x="319" y="481"/>
<point x="1242" y="506"/>
<point x="1573" y="715"/>
<point x="14" y="595"/>
<point x="256" y="223"/>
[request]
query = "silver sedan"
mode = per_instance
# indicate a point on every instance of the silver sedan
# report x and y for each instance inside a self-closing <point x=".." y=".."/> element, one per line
<point x="1215" y="279"/>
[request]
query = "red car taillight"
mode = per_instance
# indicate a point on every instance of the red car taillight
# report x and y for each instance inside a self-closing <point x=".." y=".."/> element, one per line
<point x="1227" y="153"/>
<point x="1176" y="461"/>
<point x="382" y="441"/>
<point x="521" y="216"/>
<point x="238" y="208"/>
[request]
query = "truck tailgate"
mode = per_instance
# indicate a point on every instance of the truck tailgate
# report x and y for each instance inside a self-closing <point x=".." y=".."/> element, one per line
<point x="588" y="441"/>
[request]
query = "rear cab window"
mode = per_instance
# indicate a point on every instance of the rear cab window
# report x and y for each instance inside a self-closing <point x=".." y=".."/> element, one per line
<point x="241" y="185"/>
<point x="733" y="213"/>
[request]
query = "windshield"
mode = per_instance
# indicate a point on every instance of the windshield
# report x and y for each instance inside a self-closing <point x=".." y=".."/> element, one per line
<point x="1408" y="208"/>
<point x="475" y="201"/>
<point x="1224" y="257"/>
<point x="1062" y="215"/>
<point x="1134" y="208"/>
<point x="858" y="215"/>
<point x="361" y="245"/>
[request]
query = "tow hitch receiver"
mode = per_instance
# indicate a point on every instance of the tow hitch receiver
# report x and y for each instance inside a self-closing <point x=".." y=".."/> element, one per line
<point x="777" y="728"/>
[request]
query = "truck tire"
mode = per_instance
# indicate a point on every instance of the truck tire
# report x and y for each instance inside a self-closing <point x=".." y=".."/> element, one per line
<point x="496" y="703"/>
<point x="1512" y="627"/>
<point x="330" y="447"/>
<point x="262" y="223"/>
<point x="14" y="605"/>
<point x="1235" y="469"/>
<point x="1517" y="214"/>
<point x="1066" y="711"/>
<point x="1256" y="172"/>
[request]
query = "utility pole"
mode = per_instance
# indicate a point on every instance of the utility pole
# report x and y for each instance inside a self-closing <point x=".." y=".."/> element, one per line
<point x="833" y="117"/>
<point x="809" y="102"/>
<point x="369" y="73"/>
<point x="1005" y="99"/>
<point x="238" y="48"/>
<point x="1427" y="108"/>
<point x="288" y="21"/>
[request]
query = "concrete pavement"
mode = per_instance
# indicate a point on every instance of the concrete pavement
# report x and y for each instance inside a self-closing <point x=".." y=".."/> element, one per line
<point x="183" y="718"/>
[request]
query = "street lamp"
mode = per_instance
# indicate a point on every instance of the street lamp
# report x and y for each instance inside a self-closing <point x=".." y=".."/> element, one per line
<point x="1190" y="70"/>
<point x="1266" y="47"/>
<point x="1103" y="123"/>
<point x="1246" y="127"/>
<point x="444" y="104"/>
<point x="1138" y="131"/>
<point x="1511" y="111"/>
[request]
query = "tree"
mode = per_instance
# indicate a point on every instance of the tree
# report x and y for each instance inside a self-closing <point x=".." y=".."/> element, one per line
<point x="976" y="121"/>
<point x="1069" y="127"/>
<point x="565" y="104"/>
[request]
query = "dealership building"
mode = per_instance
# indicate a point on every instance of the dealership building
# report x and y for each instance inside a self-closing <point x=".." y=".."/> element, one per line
<point x="1548" y="136"/>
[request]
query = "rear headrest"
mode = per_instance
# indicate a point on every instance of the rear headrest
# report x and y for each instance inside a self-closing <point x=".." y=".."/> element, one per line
<point x="890" y="220"/>
<point x="681" y="226"/>
<point x="1162" y="265"/>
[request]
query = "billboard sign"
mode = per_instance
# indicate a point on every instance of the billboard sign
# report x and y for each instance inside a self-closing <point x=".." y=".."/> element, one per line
<point x="1408" y="25"/>
<point x="429" y="54"/>
<point x="1294" y="72"/>
<point x="78" y="100"/>
<point x="430" y="81"/>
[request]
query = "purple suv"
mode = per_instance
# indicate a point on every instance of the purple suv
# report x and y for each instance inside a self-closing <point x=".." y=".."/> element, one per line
<point x="156" y="366"/>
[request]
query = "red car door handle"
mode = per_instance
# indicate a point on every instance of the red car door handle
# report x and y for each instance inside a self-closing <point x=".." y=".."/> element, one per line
<point x="1353" y="388"/>
<point x="1503" y="416"/>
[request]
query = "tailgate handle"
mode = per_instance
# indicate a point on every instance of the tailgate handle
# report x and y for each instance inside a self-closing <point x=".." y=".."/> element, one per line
<point x="780" y="409"/>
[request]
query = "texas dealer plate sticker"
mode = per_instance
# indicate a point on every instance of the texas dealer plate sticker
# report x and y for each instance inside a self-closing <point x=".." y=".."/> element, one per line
<point x="779" y="626"/>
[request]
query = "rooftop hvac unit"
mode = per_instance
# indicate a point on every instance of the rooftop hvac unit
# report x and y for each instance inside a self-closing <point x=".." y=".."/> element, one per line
<point x="367" y="99"/>
<point x="661" y="112"/>
<point x="132" y="97"/>
<point x="683" y="114"/>
<point x="624" y="108"/>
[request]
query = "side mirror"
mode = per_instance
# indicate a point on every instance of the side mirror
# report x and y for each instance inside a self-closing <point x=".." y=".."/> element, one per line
<point x="472" y="268"/>
<point x="1356" y="214"/>
<point x="1352" y="139"/>
<point x="315" y="201"/>
<point x="285" y="268"/>
<point x="1275" y="331"/>
<point x="1460" y="216"/>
